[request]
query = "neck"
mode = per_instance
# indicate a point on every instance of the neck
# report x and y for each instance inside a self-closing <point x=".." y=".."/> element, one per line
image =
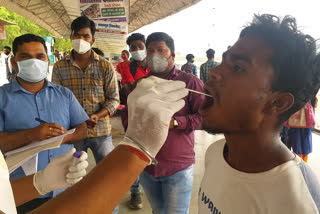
<point x="143" y="63"/>
<point x="81" y="57"/>
<point x="256" y="152"/>
<point x="30" y="86"/>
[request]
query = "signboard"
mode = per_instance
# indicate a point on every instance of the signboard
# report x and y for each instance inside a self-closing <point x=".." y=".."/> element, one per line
<point x="111" y="18"/>
<point x="3" y="35"/>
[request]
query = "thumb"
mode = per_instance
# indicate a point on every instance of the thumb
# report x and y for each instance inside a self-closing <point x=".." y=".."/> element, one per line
<point x="66" y="157"/>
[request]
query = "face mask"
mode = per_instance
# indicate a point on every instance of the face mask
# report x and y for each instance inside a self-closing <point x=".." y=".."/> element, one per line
<point x="124" y="57"/>
<point x="158" y="63"/>
<point x="32" y="70"/>
<point x="80" y="46"/>
<point x="139" y="55"/>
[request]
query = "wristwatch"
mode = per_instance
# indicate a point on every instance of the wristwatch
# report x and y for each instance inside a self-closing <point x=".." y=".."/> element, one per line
<point x="175" y="123"/>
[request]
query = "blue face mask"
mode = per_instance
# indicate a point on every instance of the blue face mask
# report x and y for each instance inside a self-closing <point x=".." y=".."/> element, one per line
<point x="32" y="70"/>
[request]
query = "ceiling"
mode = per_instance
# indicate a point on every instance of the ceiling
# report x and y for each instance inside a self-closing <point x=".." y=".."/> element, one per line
<point x="56" y="15"/>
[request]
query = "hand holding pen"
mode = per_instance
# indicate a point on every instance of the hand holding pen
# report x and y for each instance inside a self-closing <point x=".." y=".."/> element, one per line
<point x="46" y="130"/>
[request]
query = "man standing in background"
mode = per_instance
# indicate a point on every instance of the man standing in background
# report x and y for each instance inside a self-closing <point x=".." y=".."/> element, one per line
<point x="189" y="67"/>
<point x="11" y="74"/>
<point x="93" y="81"/>
<point x="207" y="66"/>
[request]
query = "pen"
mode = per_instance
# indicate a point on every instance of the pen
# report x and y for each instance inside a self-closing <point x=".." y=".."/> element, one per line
<point x="39" y="120"/>
<point x="198" y="92"/>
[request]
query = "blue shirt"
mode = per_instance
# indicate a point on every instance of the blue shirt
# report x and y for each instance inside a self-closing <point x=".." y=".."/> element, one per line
<point x="53" y="104"/>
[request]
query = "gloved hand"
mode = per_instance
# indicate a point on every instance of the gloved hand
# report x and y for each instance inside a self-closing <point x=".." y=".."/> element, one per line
<point x="150" y="108"/>
<point x="61" y="173"/>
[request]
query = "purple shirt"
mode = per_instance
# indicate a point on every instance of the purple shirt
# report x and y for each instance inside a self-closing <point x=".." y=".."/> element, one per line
<point x="177" y="152"/>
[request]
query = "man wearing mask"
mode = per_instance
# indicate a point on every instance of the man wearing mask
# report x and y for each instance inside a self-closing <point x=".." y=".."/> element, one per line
<point x="168" y="185"/>
<point x="93" y="81"/>
<point x="138" y="67"/>
<point x="30" y="99"/>
<point x="189" y="67"/>
<point x="11" y="74"/>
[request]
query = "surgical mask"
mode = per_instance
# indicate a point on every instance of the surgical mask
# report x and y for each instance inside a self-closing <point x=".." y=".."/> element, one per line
<point x="157" y="63"/>
<point x="139" y="55"/>
<point x="124" y="57"/>
<point x="32" y="70"/>
<point x="80" y="46"/>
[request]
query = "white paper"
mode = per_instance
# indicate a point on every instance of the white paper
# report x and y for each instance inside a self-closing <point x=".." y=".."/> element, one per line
<point x="20" y="156"/>
<point x="30" y="167"/>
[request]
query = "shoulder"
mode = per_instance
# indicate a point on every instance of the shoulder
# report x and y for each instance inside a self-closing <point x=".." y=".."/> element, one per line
<point x="64" y="91"/>
<point x="214" y="149"/>
<point x="311" y="181"/>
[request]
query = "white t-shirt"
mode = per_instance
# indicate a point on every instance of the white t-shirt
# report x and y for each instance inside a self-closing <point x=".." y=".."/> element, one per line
<point x="7" y="204"/>
<point x="290" y="188"/>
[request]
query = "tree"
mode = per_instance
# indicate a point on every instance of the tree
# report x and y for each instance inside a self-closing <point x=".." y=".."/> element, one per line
<point x="24" y="26"/>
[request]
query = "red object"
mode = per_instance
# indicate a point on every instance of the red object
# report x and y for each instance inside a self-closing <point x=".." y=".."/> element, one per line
<point x="3" y="35"/>
<point x="126" y="76"/>
<point x="139" y="153"/>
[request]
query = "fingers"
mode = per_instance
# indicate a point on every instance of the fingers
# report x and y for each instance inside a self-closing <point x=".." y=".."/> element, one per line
<point x="169" y="86"/>
<point x="55" y="129"/>
<point x="74" y="181"/>
<point x="175" y="106"/>
<point x="176" y="95"/>
<point x="84" y="156"/>
<point x="78" y="167"/>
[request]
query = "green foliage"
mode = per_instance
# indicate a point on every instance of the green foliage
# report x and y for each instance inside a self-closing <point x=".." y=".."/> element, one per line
<point x="24" y="26"/>
<point x="62" y="45"/>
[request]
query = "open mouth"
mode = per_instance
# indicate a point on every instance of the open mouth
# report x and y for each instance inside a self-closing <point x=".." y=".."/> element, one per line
<point x="208" y="102"/>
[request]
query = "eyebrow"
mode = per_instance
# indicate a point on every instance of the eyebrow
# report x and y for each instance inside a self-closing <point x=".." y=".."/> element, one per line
<point x="236" y="57"/>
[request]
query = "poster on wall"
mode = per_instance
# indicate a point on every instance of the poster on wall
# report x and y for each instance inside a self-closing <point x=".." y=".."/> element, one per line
<point x="3" y="35"/>
<point x="111" y="19"/>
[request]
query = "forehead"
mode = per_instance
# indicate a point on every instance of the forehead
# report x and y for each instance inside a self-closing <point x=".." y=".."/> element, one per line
<point x="31" y="47"/>
<point x="137" y="43"/>
<point x="255" y="49"/>
<point x="157" y="44"/>
<point x="85" y="30"/>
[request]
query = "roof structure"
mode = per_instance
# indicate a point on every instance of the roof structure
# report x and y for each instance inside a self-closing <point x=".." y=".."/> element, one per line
<point x="56" y="15"/>
<point x="5" y="22"/>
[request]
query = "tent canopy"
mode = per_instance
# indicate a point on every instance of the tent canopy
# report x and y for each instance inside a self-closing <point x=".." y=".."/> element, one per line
<point x="56" y="15"/>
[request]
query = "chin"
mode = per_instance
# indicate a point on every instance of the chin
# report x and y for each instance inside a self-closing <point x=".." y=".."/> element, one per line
<point x="211" y="130"/>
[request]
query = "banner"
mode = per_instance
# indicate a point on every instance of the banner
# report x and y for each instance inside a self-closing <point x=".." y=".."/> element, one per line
<point x="111" y="19"/>
<point x="3" y="35"/>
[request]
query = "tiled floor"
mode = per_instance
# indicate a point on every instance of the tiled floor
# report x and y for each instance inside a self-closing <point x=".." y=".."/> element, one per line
<point x="202" y="141"/>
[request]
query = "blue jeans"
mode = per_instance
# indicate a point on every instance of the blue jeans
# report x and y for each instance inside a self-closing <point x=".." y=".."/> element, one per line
<point x="135" y="188"/>
<point x="100" y="147"/>
<point x="169" y="194"/>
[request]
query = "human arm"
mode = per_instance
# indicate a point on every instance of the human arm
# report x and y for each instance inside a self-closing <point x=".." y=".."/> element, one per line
<point x="56" y="77"/>
<point x="192" y="121"/>
<point x="194" y="70"/>
<point x="59" y="174"/>
<point x="79" y="134"/>
<point x="13" y="140"/>
<point x="102" y="189"/>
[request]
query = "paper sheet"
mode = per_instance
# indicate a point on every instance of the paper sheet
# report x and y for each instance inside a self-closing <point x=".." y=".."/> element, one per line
<point x="20" y="156"/>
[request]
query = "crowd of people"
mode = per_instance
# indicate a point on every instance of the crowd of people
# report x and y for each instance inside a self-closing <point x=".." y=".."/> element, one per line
<point x="271" y="73"/>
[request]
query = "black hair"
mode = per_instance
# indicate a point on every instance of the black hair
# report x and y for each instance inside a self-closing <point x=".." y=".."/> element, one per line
<point x="189" y="57"/>
<point x="83" y="22"/>
<point x="98" y="51"/>
<point x="26" y="38"/>
<point x="134" y="37"/>
<point x="161" y="36"/>
<point x="127" y="52"/>
<point x="295" y="63"/>
<point x="210" y="53"/>
<point x="7" y="47"/>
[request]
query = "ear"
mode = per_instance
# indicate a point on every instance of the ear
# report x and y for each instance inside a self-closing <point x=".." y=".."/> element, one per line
<point x="281" y="102"/>
<point x="93" y="40"/>
<point x="14" y="64"/>
<point x="173" y="55"/>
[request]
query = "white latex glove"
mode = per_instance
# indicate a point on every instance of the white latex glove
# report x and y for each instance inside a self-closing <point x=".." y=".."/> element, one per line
<point x="151" y="106"/>
<point x="61" y="173"/>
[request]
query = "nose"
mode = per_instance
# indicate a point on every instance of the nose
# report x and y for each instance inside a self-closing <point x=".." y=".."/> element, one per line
<point x="215" y="74"/>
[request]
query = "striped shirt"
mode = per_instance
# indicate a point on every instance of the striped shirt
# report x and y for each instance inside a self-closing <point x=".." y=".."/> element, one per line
<point x="95" y="88"/>
<point x="205" y="68"/>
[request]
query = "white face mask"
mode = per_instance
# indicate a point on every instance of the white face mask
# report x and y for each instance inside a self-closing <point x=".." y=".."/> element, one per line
<point x="32" y="70"/>
<point x="157" y="63"/>
<point x="139" y="55"/>
<point x="80" y="46"/>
